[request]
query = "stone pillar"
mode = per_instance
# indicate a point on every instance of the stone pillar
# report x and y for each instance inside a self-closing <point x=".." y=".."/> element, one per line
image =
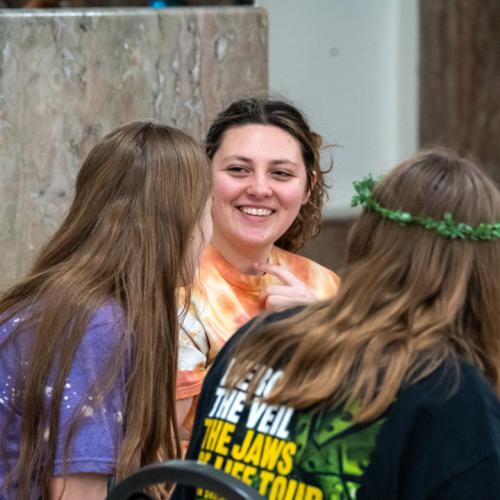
<point x="69" y="77"/>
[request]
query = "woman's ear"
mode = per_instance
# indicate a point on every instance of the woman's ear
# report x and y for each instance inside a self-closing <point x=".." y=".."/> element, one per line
<point x="312" y="183"/>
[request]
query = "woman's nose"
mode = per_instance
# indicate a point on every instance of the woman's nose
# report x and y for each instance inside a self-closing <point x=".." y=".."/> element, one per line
<point x="259" y="186"/>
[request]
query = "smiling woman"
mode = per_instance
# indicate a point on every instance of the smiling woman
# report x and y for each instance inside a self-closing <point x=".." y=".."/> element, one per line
<point x="268" y="193"/>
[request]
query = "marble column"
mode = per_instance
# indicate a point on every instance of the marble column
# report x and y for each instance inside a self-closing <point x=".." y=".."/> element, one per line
<point x="67" y="77"/>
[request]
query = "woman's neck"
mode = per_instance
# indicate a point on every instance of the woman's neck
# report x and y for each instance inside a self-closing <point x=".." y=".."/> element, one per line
<point x="243" y="260"/>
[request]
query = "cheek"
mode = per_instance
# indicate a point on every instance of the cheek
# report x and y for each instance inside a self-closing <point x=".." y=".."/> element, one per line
<point x="221" y="208"/>
<point x="219" y="205"/>
<point x="304" y="195"/>
<point x="294" y="199"/>
<point x="224" y="192"/>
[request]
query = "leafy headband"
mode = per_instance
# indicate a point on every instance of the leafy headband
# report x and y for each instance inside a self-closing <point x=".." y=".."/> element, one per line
<point x="446" y="227"/>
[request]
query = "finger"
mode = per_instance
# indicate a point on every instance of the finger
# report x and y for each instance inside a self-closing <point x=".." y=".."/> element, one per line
<point x="292" y="296"/>
<point x="299" y="294"/>
<point x="288" y="296"/>
<point x="287" y="277"/>
<point x="285" y="290"/>
<point x="273" y="290"/>
<point x="279" y="302"/>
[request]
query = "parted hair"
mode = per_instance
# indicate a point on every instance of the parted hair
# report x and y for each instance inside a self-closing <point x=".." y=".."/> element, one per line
<point x="409" y="300"/>
<point x="278" y="113"/>
<point x="126" y="239"/>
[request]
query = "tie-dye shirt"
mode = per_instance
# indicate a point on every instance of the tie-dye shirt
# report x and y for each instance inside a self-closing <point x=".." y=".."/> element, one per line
<point x="224" y="299"/>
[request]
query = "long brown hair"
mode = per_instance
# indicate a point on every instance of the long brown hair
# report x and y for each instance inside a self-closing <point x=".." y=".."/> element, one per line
<point x="266" y="111"/>
<point x="410" y="299"/>
<point x="139" y="197"/>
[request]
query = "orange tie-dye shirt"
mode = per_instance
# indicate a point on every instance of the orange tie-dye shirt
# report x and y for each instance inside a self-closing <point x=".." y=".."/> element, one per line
<point x="224" y="299"/>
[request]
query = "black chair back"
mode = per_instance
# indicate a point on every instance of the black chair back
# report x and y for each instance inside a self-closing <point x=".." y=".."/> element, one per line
<point x="184" y="472"/>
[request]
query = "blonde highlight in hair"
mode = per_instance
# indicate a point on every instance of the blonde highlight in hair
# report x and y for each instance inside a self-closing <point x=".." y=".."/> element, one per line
<point x="139" y="196"/>
<point x="409" y="301"/>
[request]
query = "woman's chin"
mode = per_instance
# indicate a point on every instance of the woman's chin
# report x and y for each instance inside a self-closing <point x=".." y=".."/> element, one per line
<point x="256" y="244"/>
<point x="245" y="242"/>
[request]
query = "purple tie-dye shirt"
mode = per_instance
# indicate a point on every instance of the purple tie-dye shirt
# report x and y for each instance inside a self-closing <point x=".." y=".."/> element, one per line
<point x="95" y="444"/>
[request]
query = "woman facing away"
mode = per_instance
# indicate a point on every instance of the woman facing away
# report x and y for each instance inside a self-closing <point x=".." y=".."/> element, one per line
<point x="268" y="194"/>
<point x="89" y="339"/>
<point x="389" y="391"/>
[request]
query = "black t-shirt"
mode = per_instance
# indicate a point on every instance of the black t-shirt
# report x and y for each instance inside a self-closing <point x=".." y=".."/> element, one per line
<point x="431" y="443"/>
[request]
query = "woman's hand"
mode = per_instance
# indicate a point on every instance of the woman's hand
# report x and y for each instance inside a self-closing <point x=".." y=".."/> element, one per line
<point x="291" y="293"/>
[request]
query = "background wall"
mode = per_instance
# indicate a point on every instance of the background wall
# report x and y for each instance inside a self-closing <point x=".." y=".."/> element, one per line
<point x="352" y="66"/>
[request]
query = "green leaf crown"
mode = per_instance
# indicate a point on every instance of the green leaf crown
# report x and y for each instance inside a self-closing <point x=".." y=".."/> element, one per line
<point x="446" y="227"/>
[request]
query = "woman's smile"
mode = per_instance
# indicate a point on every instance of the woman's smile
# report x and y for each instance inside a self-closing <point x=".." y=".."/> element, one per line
<point x="256" y="211"/>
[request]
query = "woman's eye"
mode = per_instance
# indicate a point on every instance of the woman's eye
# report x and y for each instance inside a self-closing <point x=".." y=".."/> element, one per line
<point x="236" y="169"/>
<point x="282" y="174"/>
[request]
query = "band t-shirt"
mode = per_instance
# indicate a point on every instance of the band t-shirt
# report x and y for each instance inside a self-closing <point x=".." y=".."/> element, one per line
<point x="223" y="300"/>
<point x="432" y="443"/>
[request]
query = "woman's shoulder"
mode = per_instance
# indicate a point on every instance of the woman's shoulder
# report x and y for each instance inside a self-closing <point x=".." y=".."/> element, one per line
<point x="109" y="313"/>
<point x="105" y="327"/>
<point x="438" y="429"/>
<point x="304" y="267"/>
<point x="456" y="379"/>
<point x="452" y="400"/>
<point x="475" y="392"/>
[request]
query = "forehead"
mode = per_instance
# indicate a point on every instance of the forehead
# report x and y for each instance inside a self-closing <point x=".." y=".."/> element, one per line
<point x="260" y="141"/>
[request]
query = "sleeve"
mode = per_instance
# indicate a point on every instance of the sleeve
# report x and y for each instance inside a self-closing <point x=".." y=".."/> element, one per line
<point x="193" y="356"/>
<point x="321" y="281"/>
<point x="99" y="424"/>
<point x="481" y="480"/>
<point x="330" y="284"/>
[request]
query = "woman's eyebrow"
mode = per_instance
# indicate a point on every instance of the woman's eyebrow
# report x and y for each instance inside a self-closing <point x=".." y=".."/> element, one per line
<point x="237" y="157"/>
<point x="284" y="162"/>
<point x="275" y="162"/>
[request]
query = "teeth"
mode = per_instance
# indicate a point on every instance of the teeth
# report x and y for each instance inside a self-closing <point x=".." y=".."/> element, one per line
<point x="260" y="212"/>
